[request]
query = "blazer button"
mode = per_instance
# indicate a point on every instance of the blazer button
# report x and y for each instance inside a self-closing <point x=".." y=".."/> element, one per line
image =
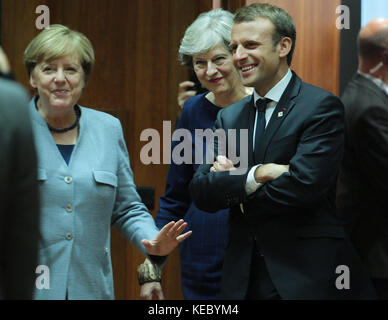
<point x="68" y="179"/>
<point x="69" y="236"/>
<point x="69" y="208"/>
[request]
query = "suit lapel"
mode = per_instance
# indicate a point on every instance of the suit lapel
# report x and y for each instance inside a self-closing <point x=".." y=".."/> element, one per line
<point x="280" y="113"/>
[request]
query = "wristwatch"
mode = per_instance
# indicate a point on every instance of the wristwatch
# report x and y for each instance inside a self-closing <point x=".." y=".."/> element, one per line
<point x="148" y="272"/>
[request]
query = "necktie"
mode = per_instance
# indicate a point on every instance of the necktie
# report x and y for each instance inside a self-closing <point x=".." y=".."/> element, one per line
<point x="261" y="105"/>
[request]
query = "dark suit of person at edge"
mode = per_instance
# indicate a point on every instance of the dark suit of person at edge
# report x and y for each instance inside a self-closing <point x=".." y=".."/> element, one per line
<point x="363" y="180"/>
<point x="285" y="240"/>
<point x="19" y="199"/>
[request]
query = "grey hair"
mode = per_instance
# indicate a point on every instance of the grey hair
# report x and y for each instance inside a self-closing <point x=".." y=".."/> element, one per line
<point x="208" y="30"/>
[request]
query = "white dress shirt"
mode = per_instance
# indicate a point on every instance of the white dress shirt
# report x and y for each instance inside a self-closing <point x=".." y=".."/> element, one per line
<point x="274" y="94"/>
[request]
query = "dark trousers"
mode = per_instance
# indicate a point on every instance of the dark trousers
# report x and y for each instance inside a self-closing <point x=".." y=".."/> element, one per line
<point x="260" y="284"/>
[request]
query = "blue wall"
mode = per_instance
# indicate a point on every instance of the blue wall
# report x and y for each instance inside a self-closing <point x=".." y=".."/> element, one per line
<point x="371" y="9"/>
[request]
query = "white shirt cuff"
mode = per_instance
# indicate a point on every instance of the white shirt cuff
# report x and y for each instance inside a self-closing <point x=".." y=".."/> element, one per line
<point x="251" y="185"/>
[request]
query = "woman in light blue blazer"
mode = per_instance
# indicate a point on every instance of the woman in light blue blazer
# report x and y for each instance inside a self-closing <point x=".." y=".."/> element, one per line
<point x="86" y="182"/>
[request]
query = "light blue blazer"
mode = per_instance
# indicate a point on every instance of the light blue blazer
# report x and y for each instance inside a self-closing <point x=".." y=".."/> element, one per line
<point x="80" y="202"/>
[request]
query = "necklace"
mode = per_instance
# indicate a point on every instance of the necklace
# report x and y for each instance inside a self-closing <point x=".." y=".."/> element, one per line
<point x="77" y="110"/>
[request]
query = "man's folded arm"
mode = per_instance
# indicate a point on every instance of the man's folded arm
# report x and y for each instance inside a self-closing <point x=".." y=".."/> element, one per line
<point x="213" y="191"/>
<point x="314" y="167"/>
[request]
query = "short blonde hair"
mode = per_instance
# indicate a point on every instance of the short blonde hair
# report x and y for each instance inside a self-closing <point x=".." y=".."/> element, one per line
<point x="58" y="41"/>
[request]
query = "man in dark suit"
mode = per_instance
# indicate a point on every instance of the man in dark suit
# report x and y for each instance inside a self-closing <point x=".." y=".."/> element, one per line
<point x="18" y="192"/>
<point x="363" y="180"/>
<point x="286" y="241"/>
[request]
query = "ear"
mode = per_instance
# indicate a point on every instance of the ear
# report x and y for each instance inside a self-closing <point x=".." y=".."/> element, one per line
<point x="32" y="80"/>
<point x="284" y="47"/>
<point x="84" y="80"/>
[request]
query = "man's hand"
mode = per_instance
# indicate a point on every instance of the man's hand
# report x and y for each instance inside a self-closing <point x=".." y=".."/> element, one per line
<point x="270" y="171"/>
<point x="222" y="163"/>
<point x="151" y="289"/>
<point x="183" y="94"/>
<point x="167" y="238"/>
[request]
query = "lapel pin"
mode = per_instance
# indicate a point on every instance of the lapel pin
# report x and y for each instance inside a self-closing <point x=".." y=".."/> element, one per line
<point x="280" y="114"/>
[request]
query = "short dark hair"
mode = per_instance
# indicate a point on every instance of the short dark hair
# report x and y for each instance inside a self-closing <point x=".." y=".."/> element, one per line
<point x="284" y="25"/>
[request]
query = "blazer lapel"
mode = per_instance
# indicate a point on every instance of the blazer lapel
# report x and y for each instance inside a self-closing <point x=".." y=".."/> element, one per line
<point x="280" y="113"/>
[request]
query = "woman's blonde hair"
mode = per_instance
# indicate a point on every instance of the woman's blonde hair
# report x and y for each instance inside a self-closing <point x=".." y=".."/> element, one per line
<point x="58" y="41"/>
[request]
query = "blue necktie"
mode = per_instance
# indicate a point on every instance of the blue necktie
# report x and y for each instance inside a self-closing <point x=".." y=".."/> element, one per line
<point x="261" y="105"/>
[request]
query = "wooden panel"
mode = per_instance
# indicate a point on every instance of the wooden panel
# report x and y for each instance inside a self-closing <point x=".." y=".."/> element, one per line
<point x="203" y="5"/>
<point x="178" y="20"/>
<point x="316" y="56"/>
<point x="233" y="5"/>
<point x="18" y="28"/>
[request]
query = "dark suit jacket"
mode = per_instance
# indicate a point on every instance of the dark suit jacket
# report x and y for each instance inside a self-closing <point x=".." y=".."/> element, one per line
<point x="18" y="195"/>
<point x="292" y="218"/>
<point x="363" y="181"/>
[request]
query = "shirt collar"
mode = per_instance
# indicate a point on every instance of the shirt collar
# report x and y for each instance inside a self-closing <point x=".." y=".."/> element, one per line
<point x="277" y="90"/>
<point x="378" y="82"/>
